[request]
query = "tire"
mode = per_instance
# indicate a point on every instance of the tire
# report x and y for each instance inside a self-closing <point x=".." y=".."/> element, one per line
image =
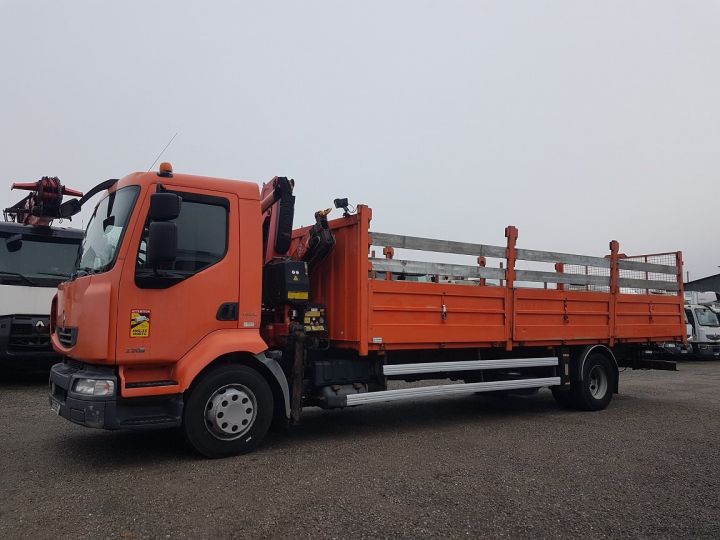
<point x="595" y="391"/>
<point x="228" y="411"/>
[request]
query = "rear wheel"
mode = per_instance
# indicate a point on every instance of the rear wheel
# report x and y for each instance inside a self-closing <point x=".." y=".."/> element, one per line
<point x="228" y="411"/>
<point x="594" y="392"/>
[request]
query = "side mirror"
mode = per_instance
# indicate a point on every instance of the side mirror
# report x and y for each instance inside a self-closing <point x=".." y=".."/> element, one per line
<point x="164" y="206"/>
<point x="161" y="243"/>
<point x="13" y="243"/>
<point x="69" y="208"/>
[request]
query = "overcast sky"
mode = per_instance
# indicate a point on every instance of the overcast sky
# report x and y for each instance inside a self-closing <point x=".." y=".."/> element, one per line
<point x="578" y="122"/>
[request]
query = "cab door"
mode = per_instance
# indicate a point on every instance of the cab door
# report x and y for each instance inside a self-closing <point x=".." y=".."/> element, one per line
<point x="164" y="312"/>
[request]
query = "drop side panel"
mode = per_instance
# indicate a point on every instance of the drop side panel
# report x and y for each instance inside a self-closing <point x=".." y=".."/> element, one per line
<point x="548" y="315"/>
<point x="643" y="317"/>
<point x="409" y="315"/>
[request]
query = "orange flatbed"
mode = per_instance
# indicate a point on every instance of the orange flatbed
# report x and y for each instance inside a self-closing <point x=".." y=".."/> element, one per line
<point x="371" y="308"/>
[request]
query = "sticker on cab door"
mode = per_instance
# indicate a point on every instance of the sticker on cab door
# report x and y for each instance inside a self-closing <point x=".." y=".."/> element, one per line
<point x="140" y="323"/>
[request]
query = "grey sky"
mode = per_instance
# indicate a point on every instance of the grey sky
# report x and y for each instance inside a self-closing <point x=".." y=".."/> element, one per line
<point x="579" y="122"/>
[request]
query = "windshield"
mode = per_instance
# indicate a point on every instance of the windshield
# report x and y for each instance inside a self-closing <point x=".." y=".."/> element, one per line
<point x="705" y="317"/>
<point x="105" y="230"/>
<point x="36" y="260"/>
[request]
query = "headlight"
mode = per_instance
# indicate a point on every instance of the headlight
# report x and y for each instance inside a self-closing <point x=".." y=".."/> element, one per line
<point x="94" y="387"/>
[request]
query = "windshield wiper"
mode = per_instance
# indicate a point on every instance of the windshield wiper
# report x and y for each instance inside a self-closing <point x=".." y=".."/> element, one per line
<point x="18" y="275"/>
<point x="80" y="272"/>
<point x="58" y="274"/>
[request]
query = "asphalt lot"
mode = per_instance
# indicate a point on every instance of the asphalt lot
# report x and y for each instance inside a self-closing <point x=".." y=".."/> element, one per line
<point x="648" y="466"/>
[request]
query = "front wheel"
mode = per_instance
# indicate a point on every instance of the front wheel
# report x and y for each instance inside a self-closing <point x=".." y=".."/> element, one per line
<point x="228" y="411"/>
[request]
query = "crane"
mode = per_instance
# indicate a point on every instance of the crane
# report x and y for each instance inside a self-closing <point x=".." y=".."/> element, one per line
<point x="42" y="205"/>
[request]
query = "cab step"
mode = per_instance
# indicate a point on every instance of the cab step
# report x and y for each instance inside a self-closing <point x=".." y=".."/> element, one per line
<point x="448" y="389"/>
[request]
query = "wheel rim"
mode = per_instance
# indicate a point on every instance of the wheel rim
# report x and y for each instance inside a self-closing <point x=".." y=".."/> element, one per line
<point x="598" y="382"/>
<point x="230" y="412"/>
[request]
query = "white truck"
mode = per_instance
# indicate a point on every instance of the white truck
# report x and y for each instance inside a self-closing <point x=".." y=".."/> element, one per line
<point x="702" y="309"/>
<point x="34" y="258"/>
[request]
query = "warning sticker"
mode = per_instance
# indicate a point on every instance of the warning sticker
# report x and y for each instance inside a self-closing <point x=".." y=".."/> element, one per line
<point x="140" y="323"/>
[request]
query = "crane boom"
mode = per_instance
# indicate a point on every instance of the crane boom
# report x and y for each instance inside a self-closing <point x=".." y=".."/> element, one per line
<point x="42" y="205"/>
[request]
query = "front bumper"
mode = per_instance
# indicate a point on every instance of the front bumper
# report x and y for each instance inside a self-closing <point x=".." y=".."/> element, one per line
<point x="707" y="350"/>
<point x="25" y="341"/>
<point x="108" y="412"/>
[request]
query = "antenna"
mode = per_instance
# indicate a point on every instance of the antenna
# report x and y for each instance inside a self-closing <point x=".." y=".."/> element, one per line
<point x="163" y="151"/>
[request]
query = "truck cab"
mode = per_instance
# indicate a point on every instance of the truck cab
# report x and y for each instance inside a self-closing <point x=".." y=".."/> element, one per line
<point x="33" y="261"/>
<point x="705" y="338"/>
<point x="142" y="326"/>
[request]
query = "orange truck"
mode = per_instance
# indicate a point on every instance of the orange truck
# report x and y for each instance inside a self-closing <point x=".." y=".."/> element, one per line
<point x="194" y="304"/>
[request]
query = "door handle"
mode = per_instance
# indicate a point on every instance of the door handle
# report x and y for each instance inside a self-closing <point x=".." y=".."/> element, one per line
<point x="228" y="312"/>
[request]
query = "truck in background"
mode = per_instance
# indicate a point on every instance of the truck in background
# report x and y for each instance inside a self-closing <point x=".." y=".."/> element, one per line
<point x="702" y="310"/>
<point x="34" y="258"/>
<point x="195" y="304"/>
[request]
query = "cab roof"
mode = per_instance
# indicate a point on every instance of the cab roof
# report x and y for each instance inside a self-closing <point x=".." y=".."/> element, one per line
<point x="242" y="188"/>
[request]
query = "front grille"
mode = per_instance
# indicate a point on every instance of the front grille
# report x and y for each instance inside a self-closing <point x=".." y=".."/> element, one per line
<point x="28" y="333"/>
<point x="67" y="336"/>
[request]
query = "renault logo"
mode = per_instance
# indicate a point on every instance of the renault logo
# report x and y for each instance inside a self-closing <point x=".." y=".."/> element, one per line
<point x="39" y="324"/>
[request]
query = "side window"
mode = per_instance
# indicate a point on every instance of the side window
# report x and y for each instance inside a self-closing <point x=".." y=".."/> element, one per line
<point x="690" y="318"/>
<point x="202" y="235"/>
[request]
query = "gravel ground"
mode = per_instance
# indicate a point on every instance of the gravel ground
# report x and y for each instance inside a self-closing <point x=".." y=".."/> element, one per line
<point x="648" y="466"/>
